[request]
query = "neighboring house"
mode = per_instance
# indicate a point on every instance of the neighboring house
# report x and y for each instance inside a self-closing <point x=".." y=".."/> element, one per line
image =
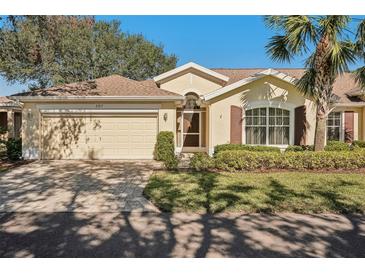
<point x="118" y="118"/>
<point x="10" y="118"/>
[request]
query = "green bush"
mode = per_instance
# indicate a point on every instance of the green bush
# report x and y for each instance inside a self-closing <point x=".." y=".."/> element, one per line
<point x="165" y="146"/>
<point x="337" y="146"/>
<point x="358" y="144"/>
<point x="226" y="147"/>
<point x="14" y="149"/>
<point x="249" y="160"/>
<point x="201" y="161"/>
<point x="165" y="149"/>
<point x="299" y="148"/>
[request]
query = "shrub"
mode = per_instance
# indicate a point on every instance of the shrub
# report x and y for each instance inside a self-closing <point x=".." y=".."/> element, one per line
<point x="165" y="146"/>
<point x="299" y="148"/>
<point x="201" y="161"/>
<point x="249" y="160"/>
<point x="14" y="149"/>
<point x="171" y="163"/>
<point x="358" y="144"/>
<point x="165" y="149"/>
<point x="336" y="146"/>
<point x="226" y="147"/>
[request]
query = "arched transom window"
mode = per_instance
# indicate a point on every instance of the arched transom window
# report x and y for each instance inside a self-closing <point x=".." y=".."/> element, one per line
<point x="267" y="126"/>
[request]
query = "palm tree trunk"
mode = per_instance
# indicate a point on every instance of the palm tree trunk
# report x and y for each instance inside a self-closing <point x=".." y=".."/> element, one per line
<point x="320" y="133"/>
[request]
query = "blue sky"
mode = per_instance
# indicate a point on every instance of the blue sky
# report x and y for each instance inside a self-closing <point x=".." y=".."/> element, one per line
<point x="212" y="41"/>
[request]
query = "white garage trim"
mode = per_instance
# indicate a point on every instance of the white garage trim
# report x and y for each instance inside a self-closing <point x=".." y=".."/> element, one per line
<point x="87" y="111"/>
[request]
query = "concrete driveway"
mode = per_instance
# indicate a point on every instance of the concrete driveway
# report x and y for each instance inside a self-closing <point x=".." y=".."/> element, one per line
<point x="76" y="186"/>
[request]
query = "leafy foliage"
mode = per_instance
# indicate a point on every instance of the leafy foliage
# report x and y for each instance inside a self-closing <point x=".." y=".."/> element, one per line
<point x="357" y="143"/>
<point x="201" y="161"/>
<point x="50" y="50"/>
<point x="337" y="146"/>
<point x="165" y="149"/>
<point x="248" y="160"/>
<point x="14" y="149"/>
<point x="299" y="148"/>
<point x="225" y="147"/>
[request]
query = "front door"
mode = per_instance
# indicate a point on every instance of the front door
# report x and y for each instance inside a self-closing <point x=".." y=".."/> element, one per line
<point x="191" y="128"/>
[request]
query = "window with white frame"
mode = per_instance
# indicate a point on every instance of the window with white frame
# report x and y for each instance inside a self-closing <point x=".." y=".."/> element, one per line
<point x="334" y="121"/>
<point x="267" y="126"/>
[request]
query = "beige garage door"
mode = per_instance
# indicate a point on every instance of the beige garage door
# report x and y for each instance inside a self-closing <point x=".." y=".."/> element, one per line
<point x="99" y="137"/>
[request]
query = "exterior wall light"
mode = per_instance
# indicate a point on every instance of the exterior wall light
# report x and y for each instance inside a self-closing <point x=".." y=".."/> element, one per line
<point x="165" y="116"/>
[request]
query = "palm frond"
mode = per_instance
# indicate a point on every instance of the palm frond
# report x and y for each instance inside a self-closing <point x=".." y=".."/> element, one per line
<point x="274" y="21"/>
<point x="341" y="54"/>
<point x="277" y="48"/>
<point x="306" y="84"/>
<point x="360" y="33"/>
<point x="333" y="26"/>
<point x="360" y="76"/>
<point x="299" y="29"/>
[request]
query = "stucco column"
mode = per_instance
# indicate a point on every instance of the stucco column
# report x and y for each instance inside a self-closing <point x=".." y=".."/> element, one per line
<point x="10" y="123"/>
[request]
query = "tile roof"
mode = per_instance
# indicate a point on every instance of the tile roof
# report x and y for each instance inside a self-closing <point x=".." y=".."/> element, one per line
<point x="5" y="102"/>
<point x="114" y="85"/>
<point x="343" y="84"/>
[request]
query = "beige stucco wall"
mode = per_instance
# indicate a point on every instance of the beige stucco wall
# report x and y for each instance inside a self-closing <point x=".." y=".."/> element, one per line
<point x="358" y="121"/>
<point x="190" y="82"/>
<point x="31" y="132"/>
<point x="264" y="92"/>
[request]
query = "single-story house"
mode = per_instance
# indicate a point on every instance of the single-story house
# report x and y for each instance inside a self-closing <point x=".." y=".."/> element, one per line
<point x="117" y="118"/>
<point x="10" y="118"/>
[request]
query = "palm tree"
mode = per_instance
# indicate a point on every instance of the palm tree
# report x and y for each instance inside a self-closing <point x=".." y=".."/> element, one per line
<point x="331" y="47"/>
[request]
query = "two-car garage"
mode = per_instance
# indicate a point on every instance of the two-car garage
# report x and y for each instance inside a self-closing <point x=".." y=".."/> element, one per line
<point x="98" y="136"/>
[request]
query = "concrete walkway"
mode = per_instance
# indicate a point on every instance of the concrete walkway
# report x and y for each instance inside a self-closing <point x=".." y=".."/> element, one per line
<point x="76" y="186"/>
<point x="180" y="235"/>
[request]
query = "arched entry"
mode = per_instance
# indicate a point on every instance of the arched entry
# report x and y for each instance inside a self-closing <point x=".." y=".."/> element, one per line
<point x="191" y="124"/>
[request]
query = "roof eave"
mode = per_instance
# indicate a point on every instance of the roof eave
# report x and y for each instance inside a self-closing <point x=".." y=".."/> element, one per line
<point x="96" y="98"/>
<point x="190" y="65"/>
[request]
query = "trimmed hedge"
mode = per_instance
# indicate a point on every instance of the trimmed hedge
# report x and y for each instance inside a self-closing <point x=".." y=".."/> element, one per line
<point x="299" y="148"/>
<point x="337" y="146"/>
<point x="226" y="147"/>
<point x="236" y="160"/>
<point x="165" y="149"/>
<point x="202" y="161"/>
<point x="359" y="144"/>
<point x="245" y="160"/>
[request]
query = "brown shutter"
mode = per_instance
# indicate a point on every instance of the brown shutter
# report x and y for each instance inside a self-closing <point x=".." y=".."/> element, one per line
<point x="236" y="125"/>
<point x="300" y="126"/>
<point x="349" y="126"/>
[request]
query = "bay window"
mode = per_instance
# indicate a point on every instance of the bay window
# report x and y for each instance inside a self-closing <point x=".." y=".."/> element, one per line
<point x="267" y="126"/>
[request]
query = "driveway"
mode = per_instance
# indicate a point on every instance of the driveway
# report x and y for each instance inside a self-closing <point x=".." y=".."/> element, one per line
<point x="149" y="234"/>
<point x="76" y="186"/>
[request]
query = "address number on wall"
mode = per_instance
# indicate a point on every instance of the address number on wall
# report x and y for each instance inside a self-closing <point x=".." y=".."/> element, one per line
<point x="99" y="105"/>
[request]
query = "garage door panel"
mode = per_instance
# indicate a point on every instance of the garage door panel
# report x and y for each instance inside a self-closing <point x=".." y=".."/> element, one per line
<point x="112" y="137"/>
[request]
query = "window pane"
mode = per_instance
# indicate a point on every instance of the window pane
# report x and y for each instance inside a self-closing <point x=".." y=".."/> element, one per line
<point x="256" y="112"/>
<point x="279" y="112"/>
<point x="248" y="135"/>
<point x="333" y="126"/>
<point x="286" y="136"/>
<point x="191" y="140"/>
<point x="248" y="121"/>
<point x="263" y="111"/>
<point x="178" y="128"/>
<point x="333" y="133"/>
<point x="285" y="112"/>
<point x="279" y="121"/>
<point x="249" y="112"/>
<point x="286" y="121"/>
<point x="191" y="122"/>
<point x="204" y="129"/>
<point x="271" y="111"/>
<point x="263" y="121"/>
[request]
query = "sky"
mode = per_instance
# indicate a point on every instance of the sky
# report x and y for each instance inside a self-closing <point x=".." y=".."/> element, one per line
<point x="211" y="41"/>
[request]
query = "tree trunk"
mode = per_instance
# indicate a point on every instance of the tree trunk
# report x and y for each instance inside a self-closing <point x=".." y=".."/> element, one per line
<point x="320" y="133"/>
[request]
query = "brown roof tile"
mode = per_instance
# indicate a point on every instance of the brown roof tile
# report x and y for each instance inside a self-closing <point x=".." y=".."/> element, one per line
<point x="342" y="86"/>
<point x="114" y="85"/>
<point x="4" y="101"/>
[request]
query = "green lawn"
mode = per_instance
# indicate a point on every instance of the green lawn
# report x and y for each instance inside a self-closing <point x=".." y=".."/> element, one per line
<point x="257" y="192"/>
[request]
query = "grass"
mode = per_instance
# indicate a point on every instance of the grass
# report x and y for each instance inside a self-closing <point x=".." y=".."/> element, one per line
<point x="257" y="192"/>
